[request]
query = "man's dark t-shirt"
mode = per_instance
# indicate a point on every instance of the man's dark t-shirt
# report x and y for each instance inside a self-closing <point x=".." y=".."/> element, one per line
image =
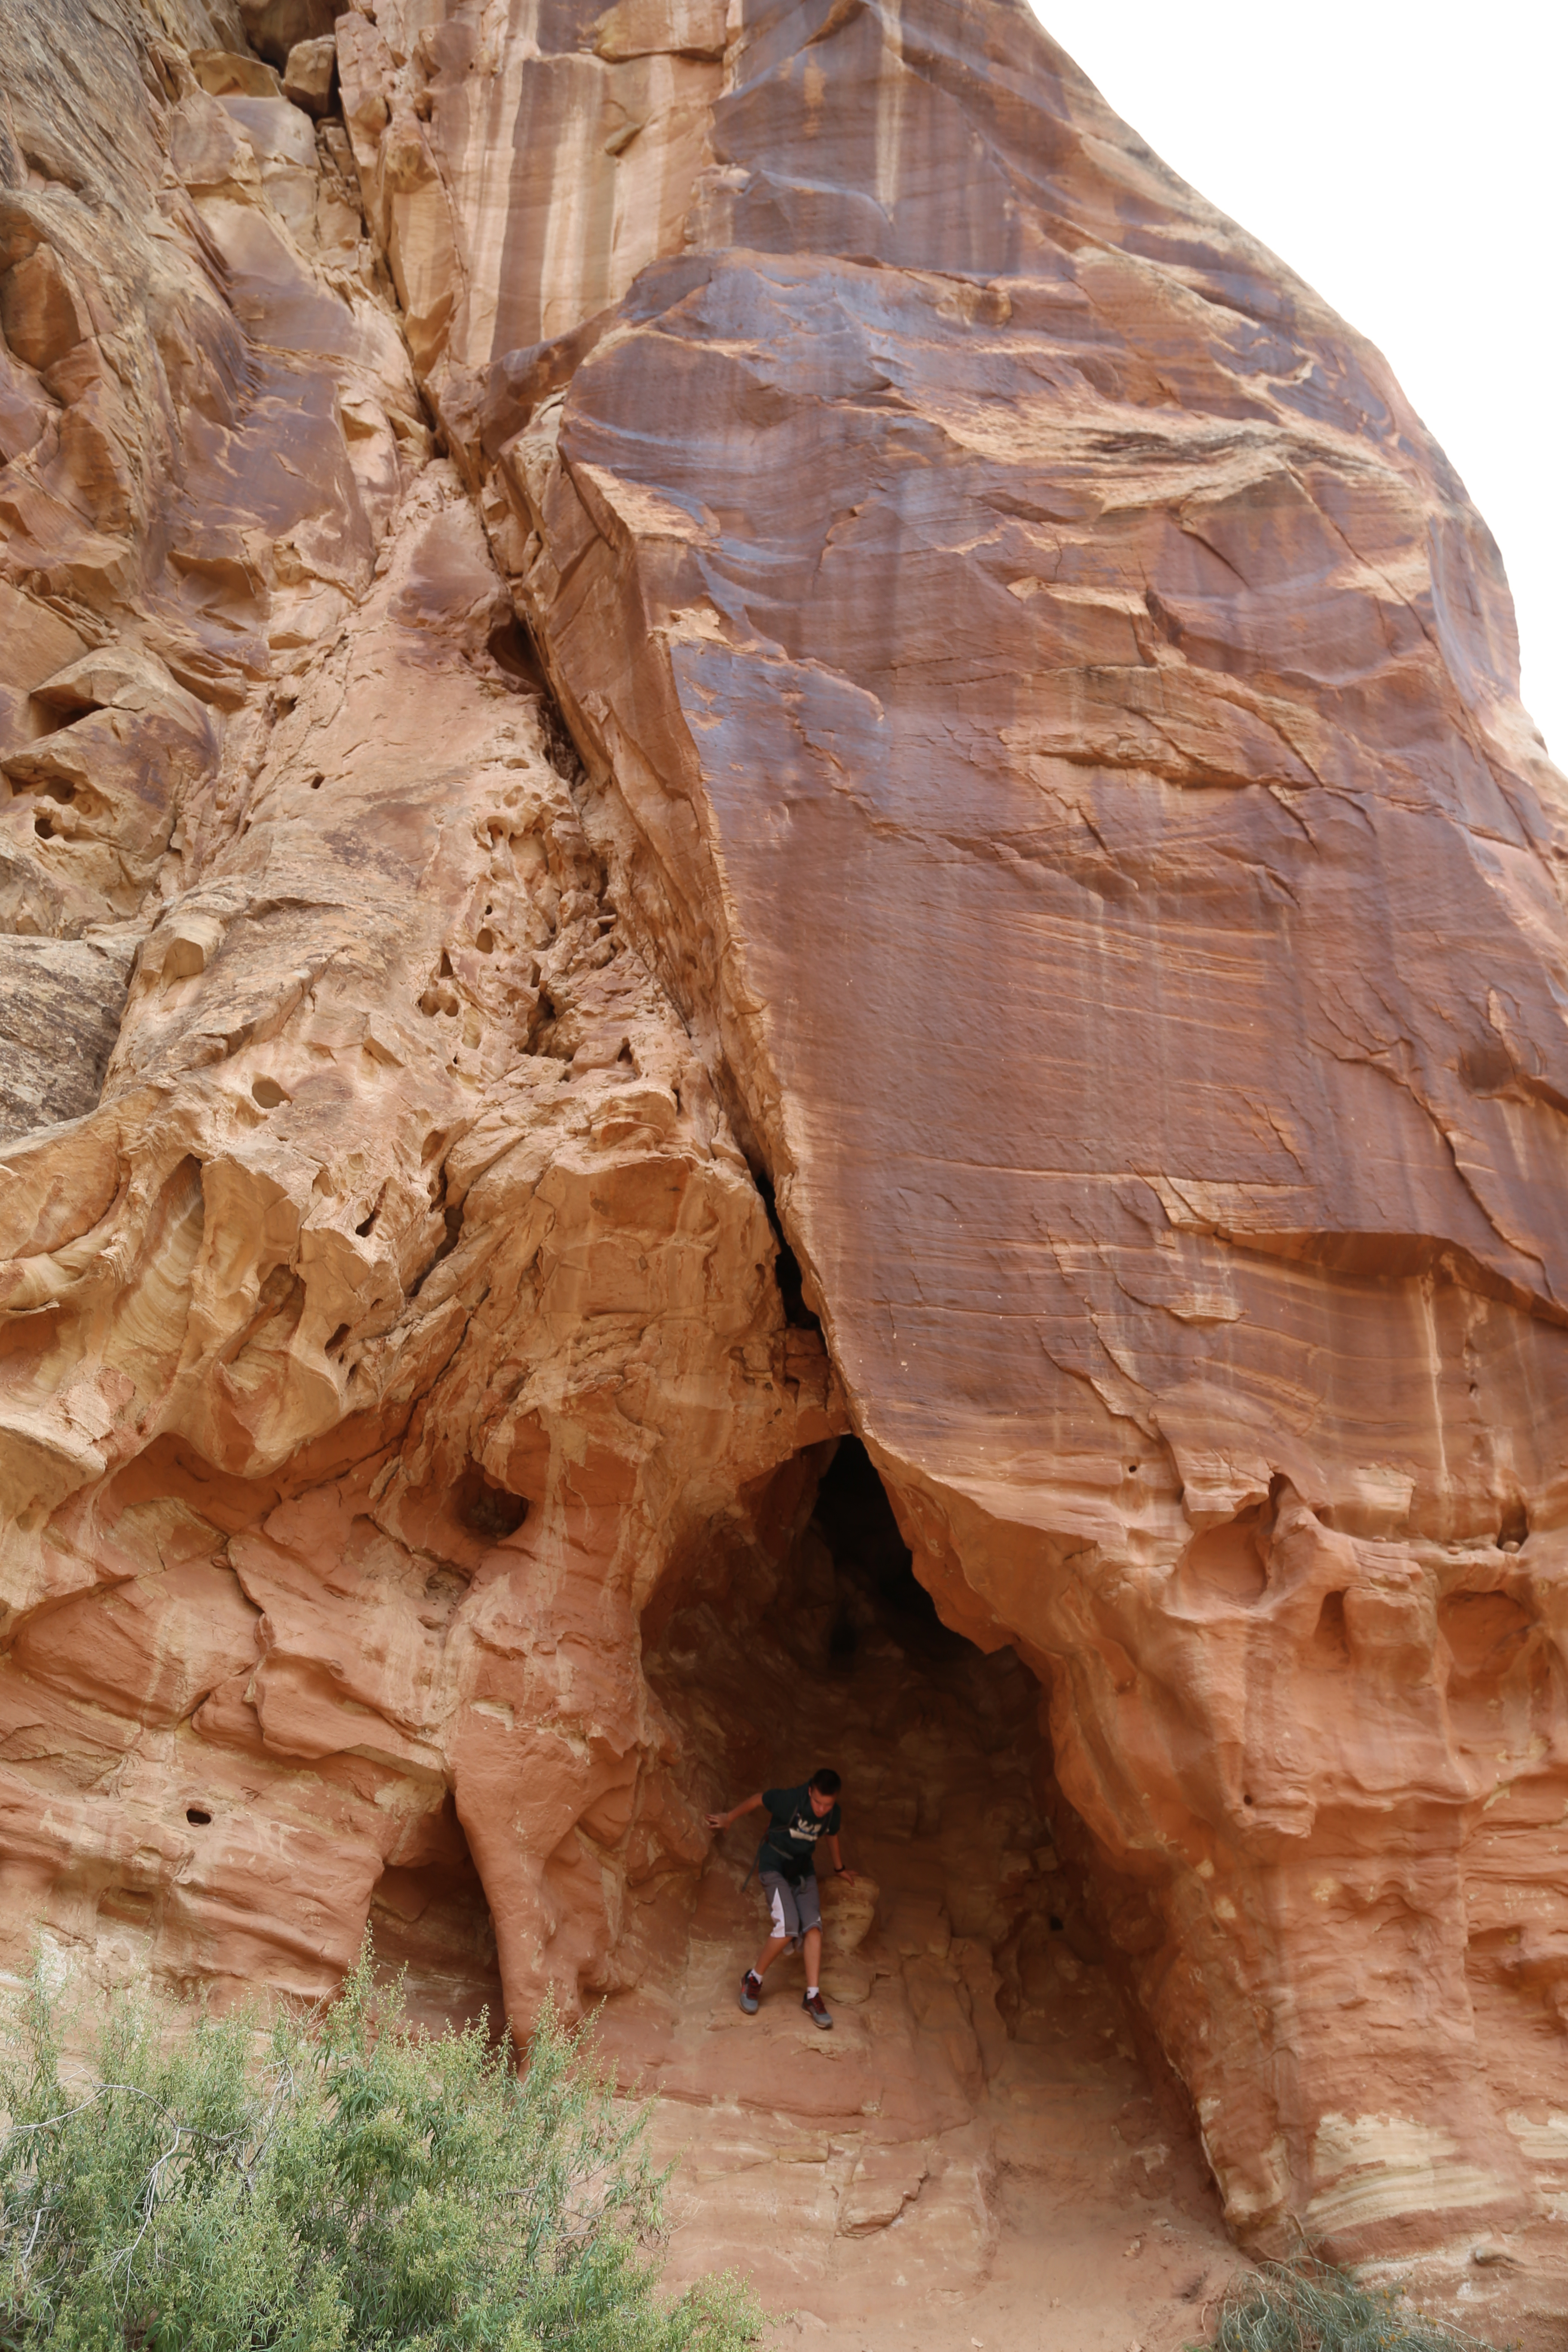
<point x="789" y="1844"/>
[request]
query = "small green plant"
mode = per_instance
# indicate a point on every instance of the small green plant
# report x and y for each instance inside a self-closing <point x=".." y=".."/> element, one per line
<point x="1309" y="2306"/>
<point x="362" y="2189"/>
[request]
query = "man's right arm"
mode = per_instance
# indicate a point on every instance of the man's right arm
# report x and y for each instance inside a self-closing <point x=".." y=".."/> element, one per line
<point x="722" y="1821"/>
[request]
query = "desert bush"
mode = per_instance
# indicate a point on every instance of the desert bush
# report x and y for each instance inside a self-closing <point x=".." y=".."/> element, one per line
<point x="359" y="2187"/>
<point x="1309" y="2306"/>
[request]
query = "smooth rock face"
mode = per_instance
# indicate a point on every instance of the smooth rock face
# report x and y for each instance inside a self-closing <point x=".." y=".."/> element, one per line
<point x="1027" y="762"/>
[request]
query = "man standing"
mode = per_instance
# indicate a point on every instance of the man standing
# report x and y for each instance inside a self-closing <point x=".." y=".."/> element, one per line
<point x="786" y="1866"/>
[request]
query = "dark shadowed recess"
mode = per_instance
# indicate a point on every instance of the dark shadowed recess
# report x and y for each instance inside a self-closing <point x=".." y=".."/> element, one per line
<point x="834" y="1655"/>
<point x="875" y="1566"/>
<point x="431" y="1925"/>
<point x="990" y="1824"/>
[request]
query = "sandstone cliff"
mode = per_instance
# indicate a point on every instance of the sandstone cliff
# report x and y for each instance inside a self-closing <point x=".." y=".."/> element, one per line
<point x="720" y="730"/>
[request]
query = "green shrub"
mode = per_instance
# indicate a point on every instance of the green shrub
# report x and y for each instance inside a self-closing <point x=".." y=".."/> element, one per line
<point x="362" y="2189"/>
<point x="1311" y="2308"/>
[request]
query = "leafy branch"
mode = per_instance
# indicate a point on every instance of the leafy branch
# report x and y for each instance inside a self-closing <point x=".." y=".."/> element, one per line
<point x="340" y="2184"/>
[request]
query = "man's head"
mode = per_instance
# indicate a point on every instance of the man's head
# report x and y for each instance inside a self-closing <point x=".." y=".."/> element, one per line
<point x="822" y="1792"/>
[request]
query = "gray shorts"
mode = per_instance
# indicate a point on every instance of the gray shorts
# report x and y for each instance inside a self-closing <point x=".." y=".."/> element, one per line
<point x="793" y="1908"/>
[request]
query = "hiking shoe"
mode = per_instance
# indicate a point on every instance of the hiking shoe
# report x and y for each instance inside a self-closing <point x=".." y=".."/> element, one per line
<point x="816" y="2008"/>
<point x="750" y="1992"/>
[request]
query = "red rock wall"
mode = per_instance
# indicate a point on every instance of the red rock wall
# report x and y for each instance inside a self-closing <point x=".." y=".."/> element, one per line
<point x="1046" y="785"/>
<point x="406" y="1305"/>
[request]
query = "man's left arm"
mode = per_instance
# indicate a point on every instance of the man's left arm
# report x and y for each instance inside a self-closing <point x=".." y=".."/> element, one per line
<point x="833" y="1847"/>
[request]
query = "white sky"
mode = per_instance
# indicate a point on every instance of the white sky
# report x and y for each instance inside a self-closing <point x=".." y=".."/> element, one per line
<point x="1411" y="162"/>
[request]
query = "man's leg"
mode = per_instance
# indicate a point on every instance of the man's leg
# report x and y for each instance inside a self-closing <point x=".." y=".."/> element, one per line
<point x="783" y="1918"/>
<point x="812" y="2001"/>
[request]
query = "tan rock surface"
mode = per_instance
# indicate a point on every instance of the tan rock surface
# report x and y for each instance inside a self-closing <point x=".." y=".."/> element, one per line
<point x="1041" y="794"/>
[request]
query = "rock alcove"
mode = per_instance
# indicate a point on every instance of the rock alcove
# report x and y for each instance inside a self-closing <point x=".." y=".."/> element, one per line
<point x="984" y="2056"/>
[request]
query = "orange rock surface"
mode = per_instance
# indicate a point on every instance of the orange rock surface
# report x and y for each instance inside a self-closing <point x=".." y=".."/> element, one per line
<point x="725" y="737"/>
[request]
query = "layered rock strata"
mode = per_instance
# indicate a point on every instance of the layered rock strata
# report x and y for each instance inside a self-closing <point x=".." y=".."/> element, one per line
<point x="1026" y="775"/>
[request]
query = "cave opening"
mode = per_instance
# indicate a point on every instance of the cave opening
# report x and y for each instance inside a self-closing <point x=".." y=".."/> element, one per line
<point x="431" y="1930"/>
<point x="984" y="2074"/>
<point x="988" y="2073"/>
<point x="821" y="1646"/>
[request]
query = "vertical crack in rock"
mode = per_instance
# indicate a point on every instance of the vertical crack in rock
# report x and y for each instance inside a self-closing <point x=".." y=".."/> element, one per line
<point x="930" y="729"/>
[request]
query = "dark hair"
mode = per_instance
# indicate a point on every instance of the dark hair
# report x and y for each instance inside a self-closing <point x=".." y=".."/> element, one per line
<point x="826" y="1782"/>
